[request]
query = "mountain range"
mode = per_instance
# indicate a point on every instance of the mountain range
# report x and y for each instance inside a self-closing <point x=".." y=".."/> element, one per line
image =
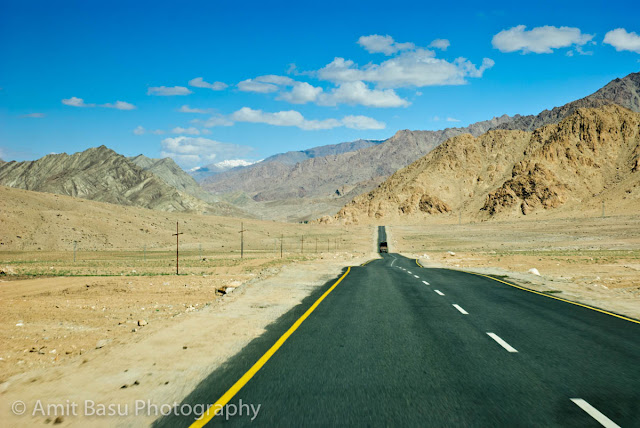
<point x="333" y="180"/>
<point x="103" y="175"/>
<point x="591" y="156"/>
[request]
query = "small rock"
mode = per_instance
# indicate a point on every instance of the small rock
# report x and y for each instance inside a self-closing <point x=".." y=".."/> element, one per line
<point x="124" y="387"/>
<point x="136" y="383"/>
<point x="142" y="323"/>
<point x="101" y="343"/>
<point x="534" y="271"/>
<point x="20" y="324"/>
<point x="134" y="330"/>
<point x="184" y="347"/>
<point x="451" y="253"/>
<point x="58" y="420"/>
<point x="230" y="289"/>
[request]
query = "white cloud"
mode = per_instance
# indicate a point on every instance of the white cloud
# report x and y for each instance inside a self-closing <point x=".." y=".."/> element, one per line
<point x="119" y="105"/>
<point x="76" y="102"/>
<point x="199" y="82"/>
<point x="205" y="132"/>
<point x="383" y="44"/>
<point x="283" y="118"/>
<point x="189" y="131"/>
<point x="295" y="118"/>
<point x="623" y="40"/>
<point x="265" y="84"/>
<point x="140" y="130"/>
<point x="276" y="80"/>
<point x="441" y="44"/>
<point x="168" y="91"/>
<point x="358" y="93"/>
<point x="79" y="102"/>
<point x="33" y="115"/>
<point x="301" y="93"/>
<point x="186" y="109"/>
<point x="362" y="122"/>
<point x="539" y="39"/>
<point x="191" y="151"/>
<point x="251" y="85"/>
<point x="217" y="120"/>
<point x="417" y="68"/>
<point x="451" y="119"/>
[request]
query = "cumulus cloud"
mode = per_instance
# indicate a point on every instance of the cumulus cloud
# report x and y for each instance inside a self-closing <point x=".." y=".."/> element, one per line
<point x="441" y="44"/>
<point x="362" y="122"/>
<point x="295" y="118"/>
<point x="217" y="120"/>
<point x="416" y="68"/>
<point x="189" y="131"/>
<point x="33" y="115"/>
<point x="383" y="44"/>
<point x="186" y="109"/>
<point x="251" y="85"/>
<point x="283" y="118"/>
<point x="199" y="82"/>
<point x="191" y="151"/>
<point x="140" y="130"/>
<point x="358" y="93"/>
<point x="301" y="93"/>
<point x="168" y="91"/>
<point x="623" y="40"/>
<point x="265" y="84"/>
<point x="76" y="102"/>
<point x="119" y="105"/>
<point x="539" y="39"/>
<point x="79" y="102"/>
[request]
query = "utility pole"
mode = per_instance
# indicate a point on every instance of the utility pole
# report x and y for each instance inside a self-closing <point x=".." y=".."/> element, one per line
<point x="281" y="240"/>
<point x="302" y="245"/>
<point x="242" y="230"/>
<point x="75" y="247"/>
<point x="603" y="208"/>
<point x="177" y="234"/>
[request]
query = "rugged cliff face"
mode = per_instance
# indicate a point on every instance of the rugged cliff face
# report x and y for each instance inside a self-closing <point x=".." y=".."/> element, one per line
<point x="101" y="174"/>
<point x="591" y="155"/>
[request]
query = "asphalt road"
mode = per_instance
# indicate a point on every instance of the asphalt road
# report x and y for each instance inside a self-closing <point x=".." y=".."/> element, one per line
<point x="397" y="344"/>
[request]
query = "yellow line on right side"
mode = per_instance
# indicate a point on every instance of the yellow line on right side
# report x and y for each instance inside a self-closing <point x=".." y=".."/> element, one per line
<point x="557" y="298"/>
<point x="231" y="392"/>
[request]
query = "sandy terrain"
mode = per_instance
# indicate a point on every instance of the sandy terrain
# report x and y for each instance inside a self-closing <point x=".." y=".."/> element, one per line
<point x="190" y="332"/>
<point x="590" y="260"/>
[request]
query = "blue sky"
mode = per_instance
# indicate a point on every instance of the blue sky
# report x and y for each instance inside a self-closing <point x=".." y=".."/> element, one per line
<point x="291" y="75"/>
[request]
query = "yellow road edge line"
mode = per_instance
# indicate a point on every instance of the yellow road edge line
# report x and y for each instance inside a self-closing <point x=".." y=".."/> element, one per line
<point x="367" y="262"/>
<point x="231" y="392"/>
<point x="418" y="263"/>
<point x="557" y="298"/>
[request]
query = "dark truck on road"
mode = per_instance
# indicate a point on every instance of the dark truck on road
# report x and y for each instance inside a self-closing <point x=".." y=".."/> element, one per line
<point x="384" y="248"/>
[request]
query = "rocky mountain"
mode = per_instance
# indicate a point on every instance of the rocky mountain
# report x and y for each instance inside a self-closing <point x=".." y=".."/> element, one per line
<point x="103" y="175"/>
<point x="288" y="158"/>
<point x="340" y="174"/>
<point x="624" y="92"/>
<point x="169" y="172"/>
<point x="593" y="155"/>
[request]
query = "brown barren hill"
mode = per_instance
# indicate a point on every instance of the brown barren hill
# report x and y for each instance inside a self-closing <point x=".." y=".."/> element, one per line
<point x="589" y="157"/>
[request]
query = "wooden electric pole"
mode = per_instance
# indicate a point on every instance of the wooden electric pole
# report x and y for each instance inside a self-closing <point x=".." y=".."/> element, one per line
<point x="177" y="235"/>
<point x="242" y="230"/>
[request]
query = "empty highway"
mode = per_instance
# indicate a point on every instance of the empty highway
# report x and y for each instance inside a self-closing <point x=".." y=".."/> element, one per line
<point x="393" y="343"/>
